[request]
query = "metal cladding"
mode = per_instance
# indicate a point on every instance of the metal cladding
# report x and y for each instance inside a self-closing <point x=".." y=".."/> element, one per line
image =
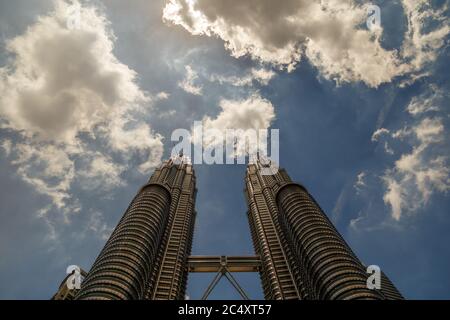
<point x="303" y="255"/>
<point x="168" y="281"/>
<point x="280" y="274"/>
<point x="388" y="289"/>
<point x="299" y="253"/>
<point x="146" y="255"/>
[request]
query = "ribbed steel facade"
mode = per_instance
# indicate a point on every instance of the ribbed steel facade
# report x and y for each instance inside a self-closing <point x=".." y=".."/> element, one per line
<point x="300" y="254"/>
<point x="303" y="255"/>
<point x="146" y="255"/>
<point x="168" y="281"/>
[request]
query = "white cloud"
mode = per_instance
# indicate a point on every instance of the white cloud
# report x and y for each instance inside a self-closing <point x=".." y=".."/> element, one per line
<point x="383" y="132"/>
<point x="430" y="101"/>
<point x="262" y="76"/>
<point x="66" y="94"/>
<point x="188" y="83"/>
<point x="65" y="81"/>
<point x="427" y="102"/>
<point x="6" y="146"/>
<point x="360" y="183"/>
<point x="429" y="131"/>
<point x="253" y="112"/>
<point x="327" y="32"/>
<point x="137" y="140"/>
<point x="394" y="197"/>
<point x="380" y="132"/>
<point x="421" y="169"/>
<point x="162" y="95"/>
<point x="420" y="46"/>
<point x="49" y="170"/>
<point x="402" y="133"/>
<point x="418" y="174"/>
<point x="100" y="173"/>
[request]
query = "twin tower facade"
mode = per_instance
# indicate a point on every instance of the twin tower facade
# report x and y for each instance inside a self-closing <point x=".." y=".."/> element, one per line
<point x="302" y="255"/>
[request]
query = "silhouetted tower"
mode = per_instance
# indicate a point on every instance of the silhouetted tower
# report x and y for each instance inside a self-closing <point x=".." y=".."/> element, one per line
<point x="146" y="255"/>
<point x="303" y="255"/>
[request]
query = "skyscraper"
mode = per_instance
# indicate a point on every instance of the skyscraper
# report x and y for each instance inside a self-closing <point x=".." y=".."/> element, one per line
<point x="146" y="255"/>
<point x="303" y="255"/>
<point x="300" y="254"/>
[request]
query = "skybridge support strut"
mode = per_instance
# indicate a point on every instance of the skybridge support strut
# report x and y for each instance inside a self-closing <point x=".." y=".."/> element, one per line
<point x="224" y="266"/>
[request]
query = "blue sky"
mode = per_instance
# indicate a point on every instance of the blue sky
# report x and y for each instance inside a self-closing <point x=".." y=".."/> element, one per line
<point x="86" y="114"/>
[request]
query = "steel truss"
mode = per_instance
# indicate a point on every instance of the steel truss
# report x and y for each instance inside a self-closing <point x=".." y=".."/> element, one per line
<point x="224" y="267"/>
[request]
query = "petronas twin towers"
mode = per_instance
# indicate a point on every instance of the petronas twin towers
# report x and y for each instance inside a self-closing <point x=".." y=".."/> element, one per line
<point x="146" y="255"/>
<point x="299" y="253"/>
